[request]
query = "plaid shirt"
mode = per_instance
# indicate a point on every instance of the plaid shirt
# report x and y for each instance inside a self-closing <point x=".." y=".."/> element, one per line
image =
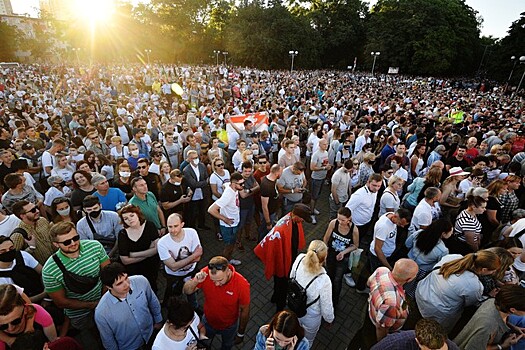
<point x="387" y="306"/>
<point x="509" y="203"/>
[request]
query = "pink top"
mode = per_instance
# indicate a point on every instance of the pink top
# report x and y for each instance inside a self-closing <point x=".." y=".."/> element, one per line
<point x="42" y="317"/>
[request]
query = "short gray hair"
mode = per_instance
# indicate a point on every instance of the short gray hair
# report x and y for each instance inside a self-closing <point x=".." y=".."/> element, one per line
<point x="52" y="179"/>
<point x="97" y="178"/>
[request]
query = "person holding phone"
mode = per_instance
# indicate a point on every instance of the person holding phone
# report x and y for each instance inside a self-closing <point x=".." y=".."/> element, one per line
<point x="283" y="332"/>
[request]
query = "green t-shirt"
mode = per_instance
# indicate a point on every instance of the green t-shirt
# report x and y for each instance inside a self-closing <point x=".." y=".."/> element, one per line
<point x="91" y="255"/>
<point x="148" y="207"/>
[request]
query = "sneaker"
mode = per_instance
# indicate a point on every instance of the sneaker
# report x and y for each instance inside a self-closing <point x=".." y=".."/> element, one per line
<point x="235" y="262"/>
<point x="316" y="212"/>
<point x="349" y="280"/>
<point x="364" y="291"/>
<point x="314" y="220"/>
<point x="219" y="236"/>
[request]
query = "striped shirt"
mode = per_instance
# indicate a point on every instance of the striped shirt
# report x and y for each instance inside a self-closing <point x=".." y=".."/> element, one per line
<point x="466" y="223"/>
<point x="91" y="255"/>
<point x="44" y="247"/>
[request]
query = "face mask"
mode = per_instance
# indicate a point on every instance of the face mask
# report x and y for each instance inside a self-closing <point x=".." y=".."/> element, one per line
<point x="394" y="166"/>
<point x="250" y="157"/>
<point x="8" y="256"/>
<point x="62" y="184"/>
<point x="346" y="147"/>
<point x="124" y="173"/>
<point x="12" y="117"/>
<point x="95" y="214"/>
<point x="177" y="183"/>
<point x="135" y="152"/>
<point x="196" y="161"/>
<point x="64" y="212"/>
<point x="255" y="152"/>
<point x="74" y="153"/>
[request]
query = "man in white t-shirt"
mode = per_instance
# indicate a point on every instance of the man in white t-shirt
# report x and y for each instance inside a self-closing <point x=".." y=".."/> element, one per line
<point x="8" y="223"/>
<point x="423" y="217"/>
<point x="180" y="251"/>
<point x="227" y="210"/>
<point x="48" y="157"/>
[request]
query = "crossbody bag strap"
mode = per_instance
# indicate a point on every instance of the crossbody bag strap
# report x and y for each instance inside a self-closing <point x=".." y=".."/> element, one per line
<point x="91" y="226"/>
<point x="59" y="264"/>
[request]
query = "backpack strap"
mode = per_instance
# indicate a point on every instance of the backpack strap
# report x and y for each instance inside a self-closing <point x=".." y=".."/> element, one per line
<point x="295" y="271"/>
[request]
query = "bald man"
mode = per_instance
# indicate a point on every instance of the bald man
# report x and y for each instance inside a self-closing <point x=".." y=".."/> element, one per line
<point x="387" y="305"/>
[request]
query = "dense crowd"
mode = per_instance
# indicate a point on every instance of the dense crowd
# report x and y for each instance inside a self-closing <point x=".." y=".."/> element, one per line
<point x="110" y="175"/>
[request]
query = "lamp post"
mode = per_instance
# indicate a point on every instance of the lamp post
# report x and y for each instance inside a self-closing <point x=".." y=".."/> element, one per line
<point x="225" y="53"/>
<point x="375" y="54"/>
<point x="522" y="61"/>
<point x="76" y="50"/>
<point x="217" y="53"/>
<point x="292" y="53"/>
<point x="513" y="59"/>
<point x="147" y="51"/>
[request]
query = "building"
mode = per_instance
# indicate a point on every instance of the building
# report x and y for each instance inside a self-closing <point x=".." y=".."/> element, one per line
<point x="5" y="7"/>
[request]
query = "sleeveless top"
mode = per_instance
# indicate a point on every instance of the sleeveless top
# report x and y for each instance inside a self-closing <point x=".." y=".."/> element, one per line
<point x="338" y="242"/>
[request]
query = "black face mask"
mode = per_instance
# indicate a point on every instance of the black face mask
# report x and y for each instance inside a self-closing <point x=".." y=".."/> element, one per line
<point x="62" y="184"/>
<point x="8" y="256"/>
<point x="95" y="214"/>
<point x="347" y="147"/>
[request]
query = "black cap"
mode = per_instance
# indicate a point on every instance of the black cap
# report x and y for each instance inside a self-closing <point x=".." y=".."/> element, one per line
<point x="27" y="146"/>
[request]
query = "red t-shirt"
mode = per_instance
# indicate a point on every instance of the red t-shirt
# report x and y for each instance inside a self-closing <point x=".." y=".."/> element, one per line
<point x="221" y="303"/>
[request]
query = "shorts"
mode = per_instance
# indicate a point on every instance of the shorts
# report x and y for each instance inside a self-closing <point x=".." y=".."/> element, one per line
<point x="229" y="234"/>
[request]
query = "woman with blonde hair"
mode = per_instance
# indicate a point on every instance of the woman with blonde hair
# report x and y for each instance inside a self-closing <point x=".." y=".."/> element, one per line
<point x="389" y="201"/>
<point x="365" y="169"/>
<point x="446" y="291"/>
<point x="308" y="269"/>
<point x="416" y="190"/>
<point x="246" y="156"/>
<point x="491" y="219"/>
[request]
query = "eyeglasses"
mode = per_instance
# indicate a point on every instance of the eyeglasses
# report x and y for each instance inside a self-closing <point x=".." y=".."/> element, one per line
<point x="355" y="163"/>
<point x="71" y="240"/>
<point x="220" y="164"/>
<point x="142" y="167"/>
<point x="32" y="210"/>
<point x="221" y="267"/>
<point x="14" y="322"/>
<point x="390" y="172"/>
<point x="94" y="137"/>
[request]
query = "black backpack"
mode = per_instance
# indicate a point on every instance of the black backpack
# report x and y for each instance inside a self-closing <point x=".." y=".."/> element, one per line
<point x="296" y="296"/>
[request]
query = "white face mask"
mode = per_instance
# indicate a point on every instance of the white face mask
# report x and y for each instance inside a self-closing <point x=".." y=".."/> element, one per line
<point x="124" y="173"/>
<point x="255" y="152"/>
<point x="176" y="183"/>
<point x="196" y="161"/>
<point x="64" y="212"/>
<point x="135" y="152"/>
<point x="249" y="157"/>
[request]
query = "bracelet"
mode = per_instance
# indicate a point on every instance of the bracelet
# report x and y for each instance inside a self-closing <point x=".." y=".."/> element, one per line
<point x="240" y="335"/>
<point x="499" y="347"/>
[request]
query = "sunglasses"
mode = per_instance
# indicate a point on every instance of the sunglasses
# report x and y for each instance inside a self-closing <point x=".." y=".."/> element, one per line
<point x="142" y="167"/>
<point x="71" y="240"/>
<point x="240" y="183"/>
<point x="32" y="210"/>
<point x="220" y="164"/>
<point x="14" y="322"/>
<point x="262" y="163"/>
<point x="221" y="267"/>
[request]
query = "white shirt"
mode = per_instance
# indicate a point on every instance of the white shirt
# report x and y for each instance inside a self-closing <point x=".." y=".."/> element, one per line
<point x="362" y="203"/>
<point x="229" y="206"/>
<point x="163" y="342"/>
<point x="8" y="225"/>
<point x="167" y="248"/>
<point x="385" y="230"/>
<point x="48" y="160"/>
<point x="197" y="194"/>
<point x="360" y="142"/>
<point x="422" y="216"/>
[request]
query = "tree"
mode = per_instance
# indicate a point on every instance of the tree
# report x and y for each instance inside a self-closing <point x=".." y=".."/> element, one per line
<point x="8" y="41"/>
<point x="430" y="37"/>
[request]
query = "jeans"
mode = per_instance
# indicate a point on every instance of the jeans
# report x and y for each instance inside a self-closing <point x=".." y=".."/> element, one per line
<point x="262" y="228"/>
<point x="334" y="207"/>
<point x="227" y="334"/>
<point x="335" y="270"/>
<point x="288" y="205"/>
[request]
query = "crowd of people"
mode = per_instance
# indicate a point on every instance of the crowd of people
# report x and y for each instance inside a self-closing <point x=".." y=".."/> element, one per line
<point x="110" y="174"/>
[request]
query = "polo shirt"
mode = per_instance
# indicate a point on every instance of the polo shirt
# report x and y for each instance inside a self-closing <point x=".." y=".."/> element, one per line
<point x="385" y="230"/>
<point x="362" y="203"/>
<point x="221" y="303"/>
<point x="91" y="255"/>
<point x="422" y="216"/>
<point x="111" y="199"/>
<point x="149" y="208"/>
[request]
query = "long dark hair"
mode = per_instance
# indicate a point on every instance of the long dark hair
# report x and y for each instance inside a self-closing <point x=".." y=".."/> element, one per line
<point x="286" y="323"/>
<point x="428" y="238"/>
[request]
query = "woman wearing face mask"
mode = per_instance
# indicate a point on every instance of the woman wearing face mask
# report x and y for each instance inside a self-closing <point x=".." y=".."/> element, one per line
<point x="82" y="188"/>
<point x="247" y="156"/>
<point x="57" y="189"/>
<point x="123" y="182"/>
<point x="343" y="154"/>
<point x="61" y="210"/>
<point x="365" y="169"/>
<point x="62" y="169"/>
<point x="396" y="164"/>
<point x="283" y="332"/>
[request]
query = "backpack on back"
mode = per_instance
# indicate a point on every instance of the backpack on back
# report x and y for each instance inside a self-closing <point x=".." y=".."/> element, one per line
<point x="296" y="296"/>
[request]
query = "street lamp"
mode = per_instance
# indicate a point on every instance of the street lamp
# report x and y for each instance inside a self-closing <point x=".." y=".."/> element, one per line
<point x="513" y="58"/>
<point x="225" y="53"/>
<point x="217" y="53"/>
<point x="293" y="54"/>
<point x="375" y="54"/>
<point x="76" y="50"/>
<point x="147" y="51"/>
<point x="522" y="60"/>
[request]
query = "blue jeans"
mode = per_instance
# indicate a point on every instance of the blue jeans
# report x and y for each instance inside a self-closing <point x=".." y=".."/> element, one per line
<point x="262" y="229"/>
<point x="227" y="335"/>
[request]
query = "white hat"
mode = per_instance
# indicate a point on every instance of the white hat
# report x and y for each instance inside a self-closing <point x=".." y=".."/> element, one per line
<point x="456" y="171"/>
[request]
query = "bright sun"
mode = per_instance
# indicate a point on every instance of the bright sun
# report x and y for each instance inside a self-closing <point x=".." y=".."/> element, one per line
<point x="94" y="10"/>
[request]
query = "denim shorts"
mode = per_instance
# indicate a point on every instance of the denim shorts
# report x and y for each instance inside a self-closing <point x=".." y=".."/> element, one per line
<point x="229" y="234"/>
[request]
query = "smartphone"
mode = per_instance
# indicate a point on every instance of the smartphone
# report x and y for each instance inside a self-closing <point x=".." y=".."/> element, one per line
<point x="188" y="191"/>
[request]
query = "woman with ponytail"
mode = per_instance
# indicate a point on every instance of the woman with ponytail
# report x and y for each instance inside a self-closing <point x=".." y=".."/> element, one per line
<point x="447" y="290"/>
<point x="305" y="268"/>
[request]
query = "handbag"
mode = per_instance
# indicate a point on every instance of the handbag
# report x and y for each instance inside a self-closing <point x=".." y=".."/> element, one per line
<point x="74" y="282"/>
<point x="201" y="343"/>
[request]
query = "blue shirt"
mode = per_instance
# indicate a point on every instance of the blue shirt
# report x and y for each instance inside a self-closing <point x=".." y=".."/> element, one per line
<point x="107" y="227"/>
<point x="111" y="199"/>
<point x="404" y="340"/>
<point x="260" y="342"/>
<point x="133" y="162"/>
<point x="128" y="324"/>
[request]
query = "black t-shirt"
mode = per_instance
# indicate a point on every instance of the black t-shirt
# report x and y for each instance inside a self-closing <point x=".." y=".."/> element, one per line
<point x="78" y="195"/>
<point x="268" y="189"/>
<point x="153" y="181"/>
<point x="126" y="246"/>
<point x="454" y="162"/>
<point x="172" y="193"/>
<point x="246" y="203"/>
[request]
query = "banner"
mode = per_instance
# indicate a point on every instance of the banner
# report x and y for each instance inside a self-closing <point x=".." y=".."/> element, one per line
<point x="256" y="118"/>
<point x="393" y="70"/>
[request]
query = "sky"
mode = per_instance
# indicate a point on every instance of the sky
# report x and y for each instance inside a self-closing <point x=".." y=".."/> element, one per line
<point x="497" y="15"/>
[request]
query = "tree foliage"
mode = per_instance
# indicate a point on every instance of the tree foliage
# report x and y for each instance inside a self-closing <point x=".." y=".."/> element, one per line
<point x="9" y="37"/>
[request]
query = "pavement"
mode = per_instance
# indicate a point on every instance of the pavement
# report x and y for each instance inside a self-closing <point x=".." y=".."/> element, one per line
<point x="351" y="307"/>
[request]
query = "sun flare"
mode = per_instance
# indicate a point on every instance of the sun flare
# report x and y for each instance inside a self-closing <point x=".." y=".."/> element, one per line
<point x="94" y="10"/>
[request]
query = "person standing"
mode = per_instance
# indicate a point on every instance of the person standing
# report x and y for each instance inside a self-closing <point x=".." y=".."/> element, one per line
<point x="292" y="185"/>
<point x="319" y="167"/>
<point x="129" y="312"/>
<point x="226" y="301"/>
<point x="148" y="204"/>
<point x="279" y="248"/>
<point x="269" y="200"/>
<point x="227" y="210"/>
<point x="196" y="176"/>
<point x="340" y="189"/>
<point x="362" y="203"/>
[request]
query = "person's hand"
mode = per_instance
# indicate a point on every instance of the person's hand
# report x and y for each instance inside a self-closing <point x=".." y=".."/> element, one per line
<point x="493" y="292"/>
<point x="328" y="167"/>
<point x="270" y="343"/>
<point x="162" y="231"/>
<point x="158" y="325"/>
<point x="192" y="346"/>
<point x="239" y="340"/>
<point x="269" y="226"/>
<point x="185" y="199"/>
<point x="198" y="251"/>
<point x="512" y="339"/>
<point x="294" y="341"/>
<point x="340" y="256"/>
<point x="200" y="276"/>
<point x="228" y="221"/>
<point x="31" y="241"/>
